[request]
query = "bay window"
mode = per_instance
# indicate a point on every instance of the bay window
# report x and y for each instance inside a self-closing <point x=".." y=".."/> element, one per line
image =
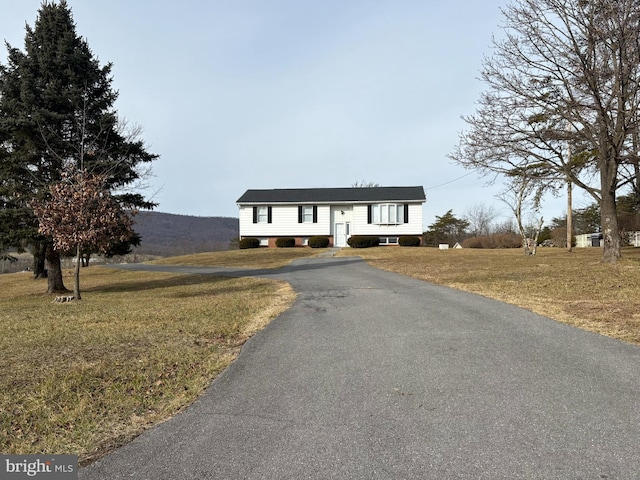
<point x="388" y="214"/>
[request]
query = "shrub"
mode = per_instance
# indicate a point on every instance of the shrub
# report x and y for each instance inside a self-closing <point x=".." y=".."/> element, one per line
<point x="409" y="241"/>
<point x="363" y="241"/>
<point x="476" y="242"/>
<point x="249" y="242"/>
<point x="319" y="242"/>
<point x="285" y="242"/>
<point x="496" y="240"/>
<point x="507" y="240"/>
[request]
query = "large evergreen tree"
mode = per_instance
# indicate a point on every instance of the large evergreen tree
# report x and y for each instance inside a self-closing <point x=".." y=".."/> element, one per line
<point x="57" y="113"/>
<point x="446" y="229"/>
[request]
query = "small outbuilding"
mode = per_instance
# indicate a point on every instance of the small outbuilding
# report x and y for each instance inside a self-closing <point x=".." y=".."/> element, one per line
<point x="589" y="240"/>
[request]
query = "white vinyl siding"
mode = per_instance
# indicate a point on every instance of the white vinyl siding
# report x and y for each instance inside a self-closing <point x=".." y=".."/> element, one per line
<point x="361" y="227"/>
<point x="284" y="223"/>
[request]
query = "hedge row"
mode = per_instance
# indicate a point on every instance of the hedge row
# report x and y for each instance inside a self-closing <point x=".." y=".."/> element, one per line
<point x="249" y="242"/>
<point x="363" y="241"/>
<point x="356" y="241"/>
<point x="497" y="240"/>
<point x="409" y="241"/>
<point x="319" y="242"/>
<point x="285" y="242"/>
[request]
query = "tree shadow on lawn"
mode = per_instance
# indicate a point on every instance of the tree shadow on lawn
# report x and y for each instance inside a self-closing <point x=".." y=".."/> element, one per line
<point x="178" y="280"/>
<point x="189" y="276"/>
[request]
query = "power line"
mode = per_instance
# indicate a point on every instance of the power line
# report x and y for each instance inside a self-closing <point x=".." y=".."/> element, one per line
<point x="450" y="181"/>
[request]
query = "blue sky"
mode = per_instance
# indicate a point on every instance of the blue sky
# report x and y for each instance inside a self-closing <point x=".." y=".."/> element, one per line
<point x="237" y="94"/>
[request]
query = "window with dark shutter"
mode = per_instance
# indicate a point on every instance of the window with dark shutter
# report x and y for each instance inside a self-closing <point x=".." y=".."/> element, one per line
<point x="307" y="214"/>
<point x="387" y="213"/>
<point x="269" y="215"/>
<point x="261" y="214"/>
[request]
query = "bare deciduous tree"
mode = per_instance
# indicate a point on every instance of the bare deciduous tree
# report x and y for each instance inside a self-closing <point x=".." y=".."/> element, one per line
<point x="480" y="218"/>
<point x="523" y="198"/>
<point x="565" y="74"/>
<point x="364" y="184"/>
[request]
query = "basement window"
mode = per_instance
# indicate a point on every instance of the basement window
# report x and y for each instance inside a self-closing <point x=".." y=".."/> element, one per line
<point x="388" y="240"/>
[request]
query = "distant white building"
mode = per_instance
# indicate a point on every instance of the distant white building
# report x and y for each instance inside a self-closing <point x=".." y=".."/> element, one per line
<point x="589" y="240"/>
<point x="595" y="239"/>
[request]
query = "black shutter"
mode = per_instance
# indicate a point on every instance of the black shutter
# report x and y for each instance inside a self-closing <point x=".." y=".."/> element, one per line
<point x="315" y="214"/>
<point x="255" y="214"/>
<point x="369" y="213"/>
<point x="299" y="213"/>
<point x="269" y="217"/>
<point x="406" y="213"/>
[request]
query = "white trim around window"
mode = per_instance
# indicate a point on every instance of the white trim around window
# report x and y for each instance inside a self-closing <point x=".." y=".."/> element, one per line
<point x="388" y="213"/>
<point x="307" y="214"/>
<point x="263" y="214"/>
<point x="388" y="240"/>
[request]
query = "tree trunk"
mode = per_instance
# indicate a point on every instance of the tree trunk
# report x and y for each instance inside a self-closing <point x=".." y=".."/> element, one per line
<point x="76" y="283"/>
<point x="569" y="215"/>
<point x="636" y="165"/>
<point x="525" y="239"/>
<point x="54" y="271"/>
<point x="609" y="214"/>
<point x="537" y="235"/>
<point x="39" y="252"/>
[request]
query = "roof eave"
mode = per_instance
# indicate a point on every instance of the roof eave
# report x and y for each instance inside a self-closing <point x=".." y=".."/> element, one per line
<point x="333" y="202"/>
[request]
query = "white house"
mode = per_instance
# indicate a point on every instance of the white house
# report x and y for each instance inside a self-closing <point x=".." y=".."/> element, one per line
<point x="595" y="239"/>
<point x="337" y="213"/>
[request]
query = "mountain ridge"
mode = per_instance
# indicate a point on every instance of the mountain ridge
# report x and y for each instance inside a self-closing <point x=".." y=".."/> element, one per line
<point x="168" y="234"/>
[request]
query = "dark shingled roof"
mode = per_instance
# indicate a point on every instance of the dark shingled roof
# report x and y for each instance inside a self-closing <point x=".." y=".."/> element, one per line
<point x="334" y="195"/>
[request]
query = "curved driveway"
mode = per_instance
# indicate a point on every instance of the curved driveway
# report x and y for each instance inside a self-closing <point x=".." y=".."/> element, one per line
<point x="373" y="375"/>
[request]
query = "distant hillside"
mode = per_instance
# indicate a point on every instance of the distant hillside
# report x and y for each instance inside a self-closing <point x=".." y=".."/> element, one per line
<point x="167" y="234"/>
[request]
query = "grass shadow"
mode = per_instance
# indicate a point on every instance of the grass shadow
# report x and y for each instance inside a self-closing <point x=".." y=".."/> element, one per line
<point x="178" y="280"/>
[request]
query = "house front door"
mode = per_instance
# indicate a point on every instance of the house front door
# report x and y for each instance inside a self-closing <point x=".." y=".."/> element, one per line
<point x="340" y="238"/>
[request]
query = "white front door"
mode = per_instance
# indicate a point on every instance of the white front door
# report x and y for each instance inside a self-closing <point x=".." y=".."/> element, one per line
<point x="340" y="238"/>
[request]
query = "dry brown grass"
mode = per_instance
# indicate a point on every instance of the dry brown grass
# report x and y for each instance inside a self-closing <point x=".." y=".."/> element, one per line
<point x="252" y="258"/>
<point x="575" y="288"/>
<point x="84" y="377"/>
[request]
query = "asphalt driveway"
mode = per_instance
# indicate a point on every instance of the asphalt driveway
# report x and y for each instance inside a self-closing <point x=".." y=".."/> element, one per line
<point x="373" y="375"/>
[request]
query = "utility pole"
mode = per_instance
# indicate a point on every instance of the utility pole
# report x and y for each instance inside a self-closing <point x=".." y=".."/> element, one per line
<point x="569" y="196"/>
